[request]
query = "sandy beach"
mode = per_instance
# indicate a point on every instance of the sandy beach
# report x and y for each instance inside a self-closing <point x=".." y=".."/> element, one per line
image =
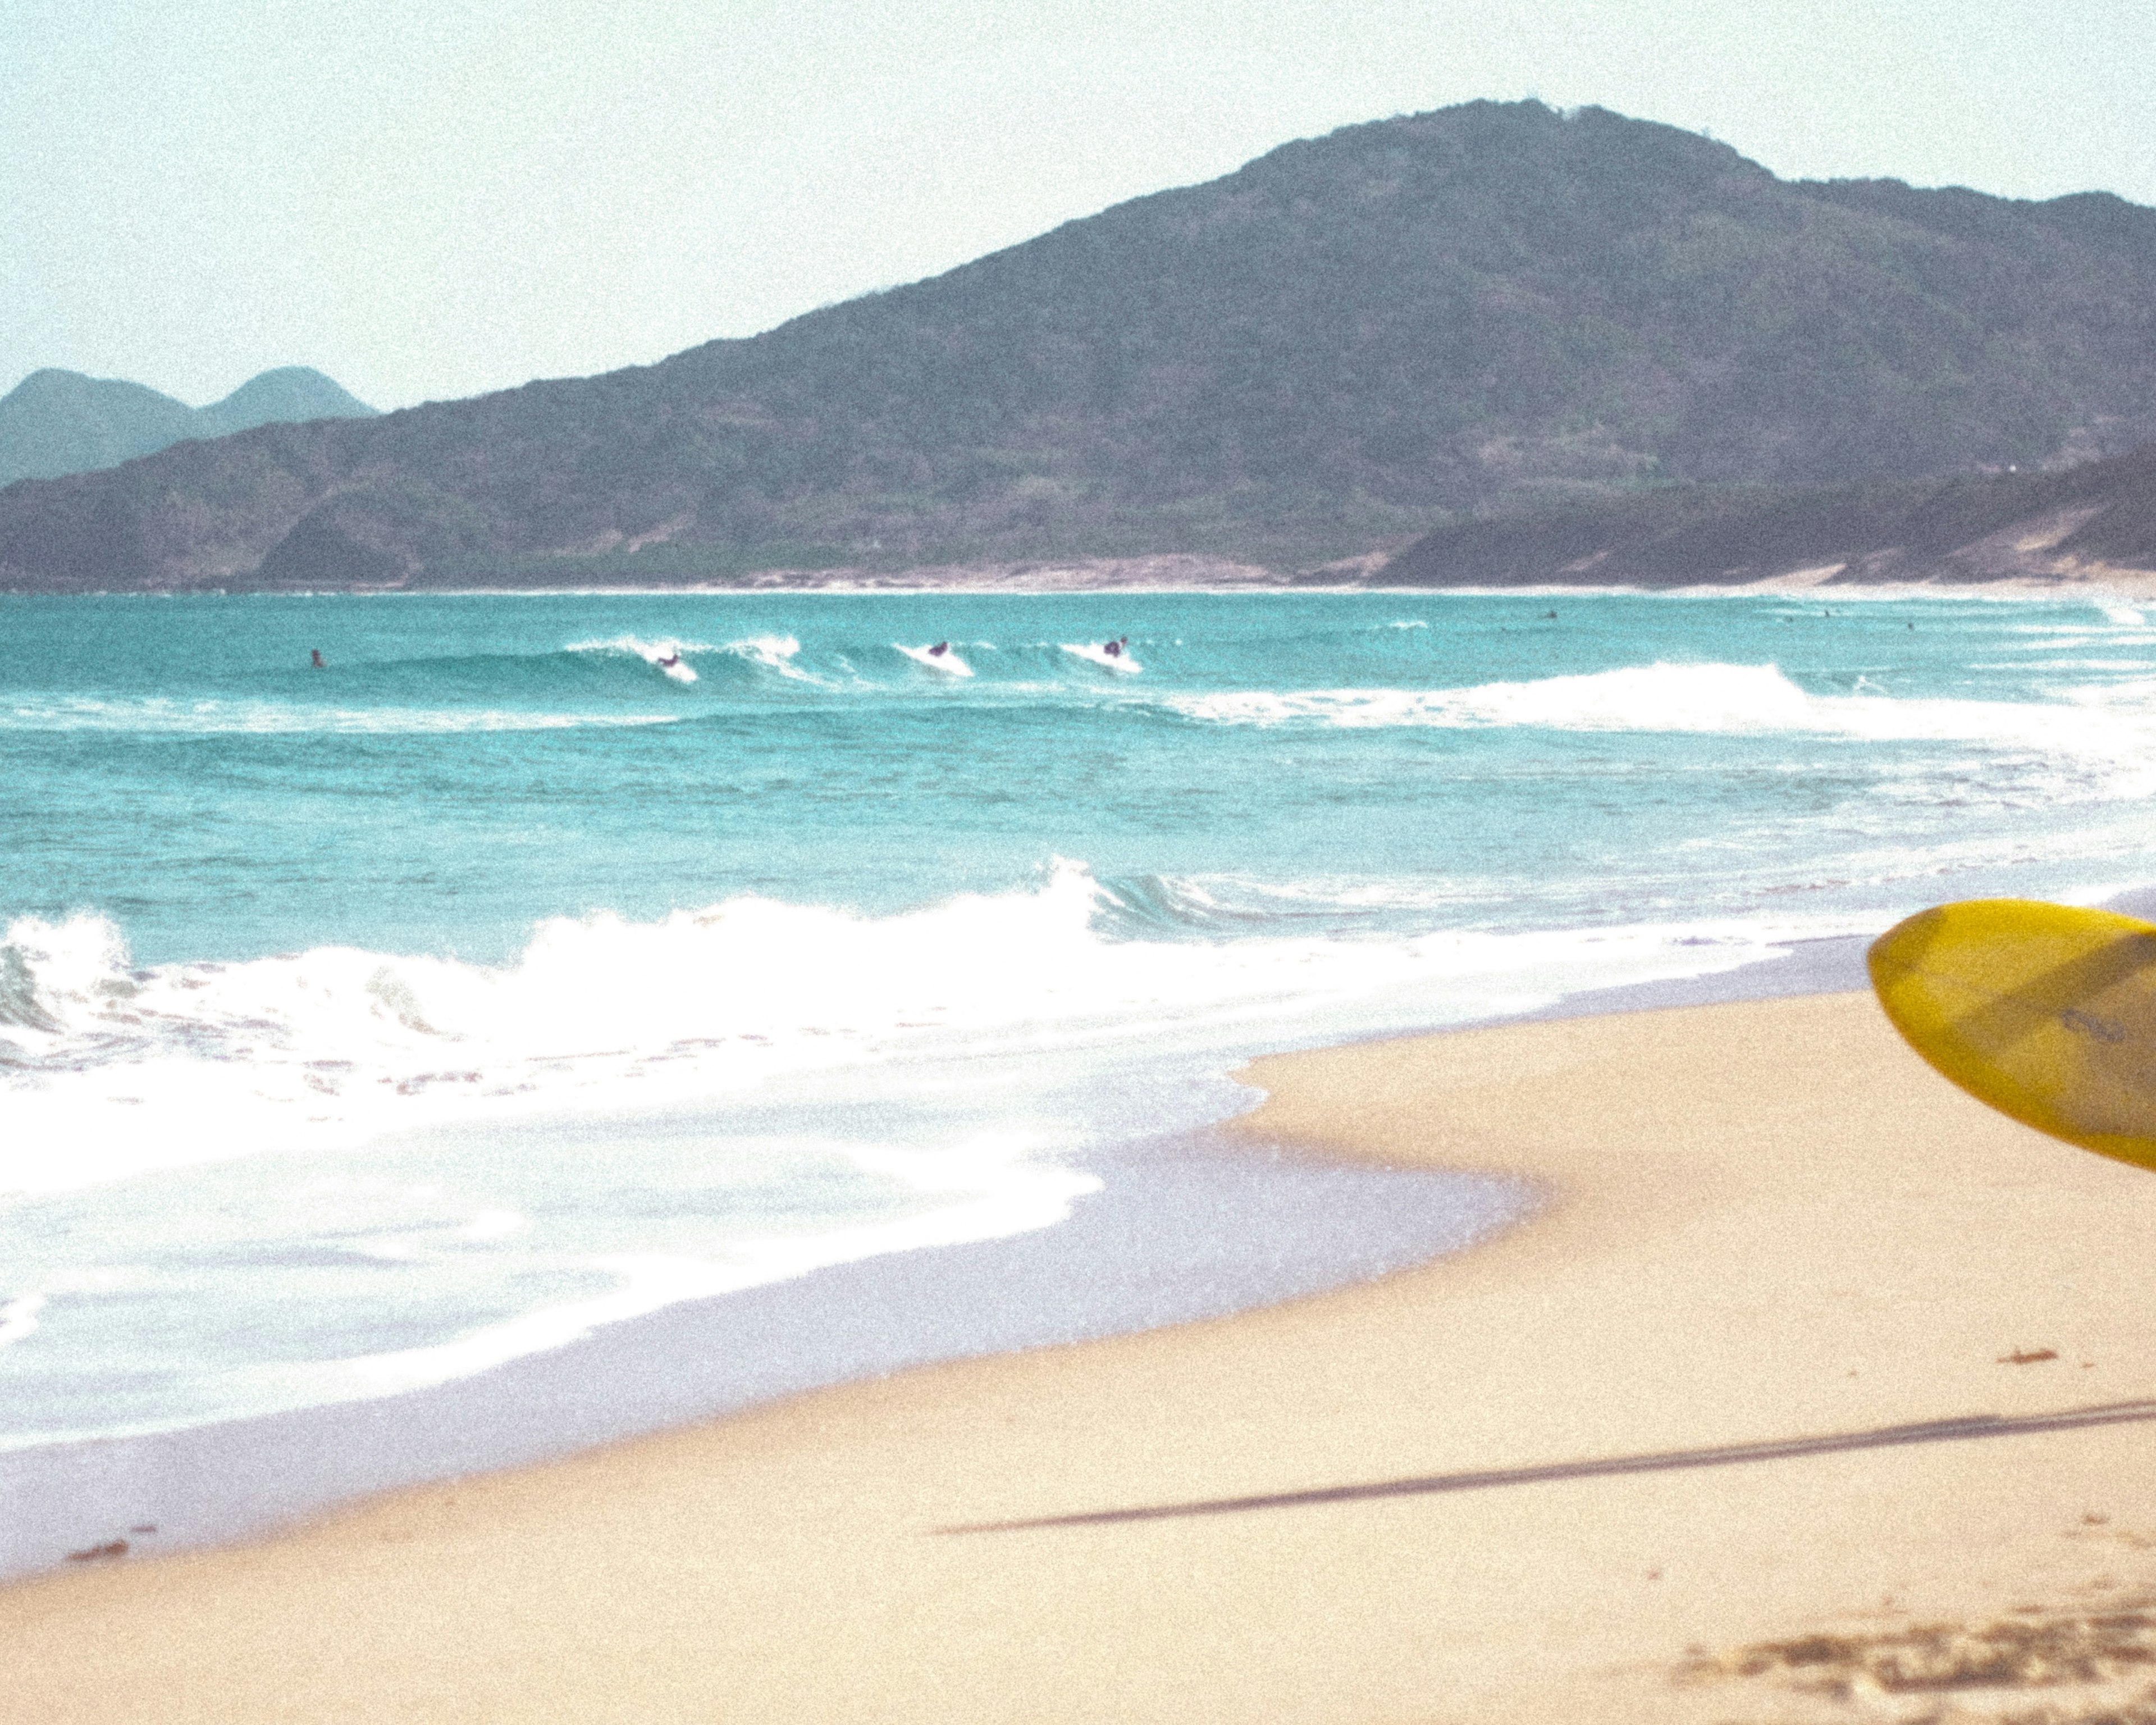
<point x="1812" y="1384"/>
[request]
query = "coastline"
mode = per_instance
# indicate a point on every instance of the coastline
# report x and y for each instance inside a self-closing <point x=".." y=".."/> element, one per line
<point x="1181" y="1229"/>
<point x="2098" y="585"/>
<point x="1381" y="977"/>
<point x="1184" y="1227"/>
<point x="1508" y="1483"/>
<point x="1183" y="573"/>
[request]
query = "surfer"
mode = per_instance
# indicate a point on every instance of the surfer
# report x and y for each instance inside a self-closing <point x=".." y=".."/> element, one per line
<point x="939" y="649"/>
<point x="318" y="663"/>
<point x="669" y="662"/>
<point x="1114" y="649"/>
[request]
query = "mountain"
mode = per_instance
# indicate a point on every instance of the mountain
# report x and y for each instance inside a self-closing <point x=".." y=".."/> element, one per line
<point x="56" y="423"/>
<point x="2086" y="522"/>
<point x="290" y="395"/>
<point x="1352" y="338"/>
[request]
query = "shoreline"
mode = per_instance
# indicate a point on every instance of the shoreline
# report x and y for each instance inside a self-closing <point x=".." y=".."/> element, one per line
<point x="212" y="1484"/>
<point x="2094" y="585"/>
<point x="1804" y="1340"/>
<point x="1182" y="1230"/>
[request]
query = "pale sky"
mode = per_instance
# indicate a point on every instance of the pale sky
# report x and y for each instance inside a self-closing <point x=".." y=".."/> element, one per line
<point x="428" y="200"/>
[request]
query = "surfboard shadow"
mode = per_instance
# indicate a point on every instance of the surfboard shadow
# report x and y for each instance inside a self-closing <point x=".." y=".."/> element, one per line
<point x="1964" y="1430"/>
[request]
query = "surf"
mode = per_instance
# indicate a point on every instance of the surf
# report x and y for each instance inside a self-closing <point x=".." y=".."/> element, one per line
<point x="494" y="963"/>
<point x="1120" y="661"/>
<point x="941" y="659"/>
<point x="1711" y="699"/>
<point x="111" y="1071"/>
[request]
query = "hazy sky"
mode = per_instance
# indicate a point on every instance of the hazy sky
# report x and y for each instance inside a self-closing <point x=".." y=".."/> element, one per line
<point x="428" y="200"/>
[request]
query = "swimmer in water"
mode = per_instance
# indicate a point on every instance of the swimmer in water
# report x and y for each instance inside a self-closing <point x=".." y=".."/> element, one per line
<point x="318" y="663"/>
<point x="939" y="649"/>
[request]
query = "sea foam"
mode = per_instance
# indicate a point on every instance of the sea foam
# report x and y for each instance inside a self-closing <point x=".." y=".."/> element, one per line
<point x="155" y="716"/>
<point x="1727" y="700"/>
<point x="108" y="1070"/>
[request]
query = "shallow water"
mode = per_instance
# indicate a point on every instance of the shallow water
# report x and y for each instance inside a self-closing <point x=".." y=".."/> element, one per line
<point x="336" y="1007"/>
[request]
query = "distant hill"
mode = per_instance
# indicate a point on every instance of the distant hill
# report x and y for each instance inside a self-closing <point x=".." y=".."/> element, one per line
<point x="2089" y="521"/>
<point x="290" y="395"/>
<point x="56" y="423"/>
<point x="1352" y="338"/>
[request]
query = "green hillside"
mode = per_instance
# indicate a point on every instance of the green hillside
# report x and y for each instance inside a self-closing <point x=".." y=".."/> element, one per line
<point x="1351" y="339"/>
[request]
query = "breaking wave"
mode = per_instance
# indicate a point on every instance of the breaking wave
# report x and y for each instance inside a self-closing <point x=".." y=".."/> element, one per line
<point x="172" y="718"/>
<point x="108" y="1070"/>
<point x="1728" y="700"/>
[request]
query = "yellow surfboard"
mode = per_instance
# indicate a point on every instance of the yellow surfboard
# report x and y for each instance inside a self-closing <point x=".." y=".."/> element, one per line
<point x="2046" y="1012"/>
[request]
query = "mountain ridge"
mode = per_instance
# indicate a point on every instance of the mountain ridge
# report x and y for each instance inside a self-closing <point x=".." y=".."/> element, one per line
<point x="57" y="422"/>
<point x="1350" y="340"/>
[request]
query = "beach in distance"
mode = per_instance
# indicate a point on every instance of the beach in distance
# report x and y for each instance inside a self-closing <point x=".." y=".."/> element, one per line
<point x="847" y="1156"/>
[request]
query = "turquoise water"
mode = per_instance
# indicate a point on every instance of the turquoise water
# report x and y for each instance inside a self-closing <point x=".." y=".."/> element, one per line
<point x="337" y="1005"/>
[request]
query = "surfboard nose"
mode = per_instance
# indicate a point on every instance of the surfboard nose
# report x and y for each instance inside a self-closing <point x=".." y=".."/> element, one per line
<point x="2045" y="1012"/>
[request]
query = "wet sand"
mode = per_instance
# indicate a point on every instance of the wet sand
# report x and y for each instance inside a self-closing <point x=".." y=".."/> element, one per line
<point x="1801" y="1341"/>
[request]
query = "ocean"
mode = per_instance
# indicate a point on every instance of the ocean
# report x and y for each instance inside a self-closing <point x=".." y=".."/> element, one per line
<point x="539" y="963"/>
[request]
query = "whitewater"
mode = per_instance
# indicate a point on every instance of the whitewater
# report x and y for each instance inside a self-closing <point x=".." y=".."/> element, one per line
<point x="543" y="963"/>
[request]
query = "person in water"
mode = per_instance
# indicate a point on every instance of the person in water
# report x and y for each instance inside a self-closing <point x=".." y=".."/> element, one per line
<point x="1114" y="649"/>
<point x="939" y="649"/>
<point x="669" y="662"/>
<point x="318" y="663"/>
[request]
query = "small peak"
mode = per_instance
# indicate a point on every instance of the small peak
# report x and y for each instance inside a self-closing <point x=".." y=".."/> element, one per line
<point x="286" y="394"/>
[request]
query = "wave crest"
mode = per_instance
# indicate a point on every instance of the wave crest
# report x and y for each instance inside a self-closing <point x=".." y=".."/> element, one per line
<point x="1729" y="699"/>
<point x="113" y="1071"/>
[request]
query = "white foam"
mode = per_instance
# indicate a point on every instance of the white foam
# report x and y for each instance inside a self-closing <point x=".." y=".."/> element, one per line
<point x="770" y="652"/>
<point x="649" y="651"/>
<point x="986" y="1187"/>
<point x="947" y="663"/>
<point x="2023" y="667"/>
<point x="1729" y="699"/>
<point x="774" y="653"/>
<point x="18" y="1317"/>
<point x="184" y="718"/>
<point x="108" y="1072"/>
<point x="1094" y="653"/>
<point x="986" y="1190"/>
<point x="666" y="654"/>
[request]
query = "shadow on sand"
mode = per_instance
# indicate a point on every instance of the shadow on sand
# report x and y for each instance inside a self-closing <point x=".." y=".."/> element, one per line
<point x="1963" y="1430"/>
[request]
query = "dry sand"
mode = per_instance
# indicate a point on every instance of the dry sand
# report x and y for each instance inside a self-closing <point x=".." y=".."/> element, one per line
<point x="1766" y="1222"/>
